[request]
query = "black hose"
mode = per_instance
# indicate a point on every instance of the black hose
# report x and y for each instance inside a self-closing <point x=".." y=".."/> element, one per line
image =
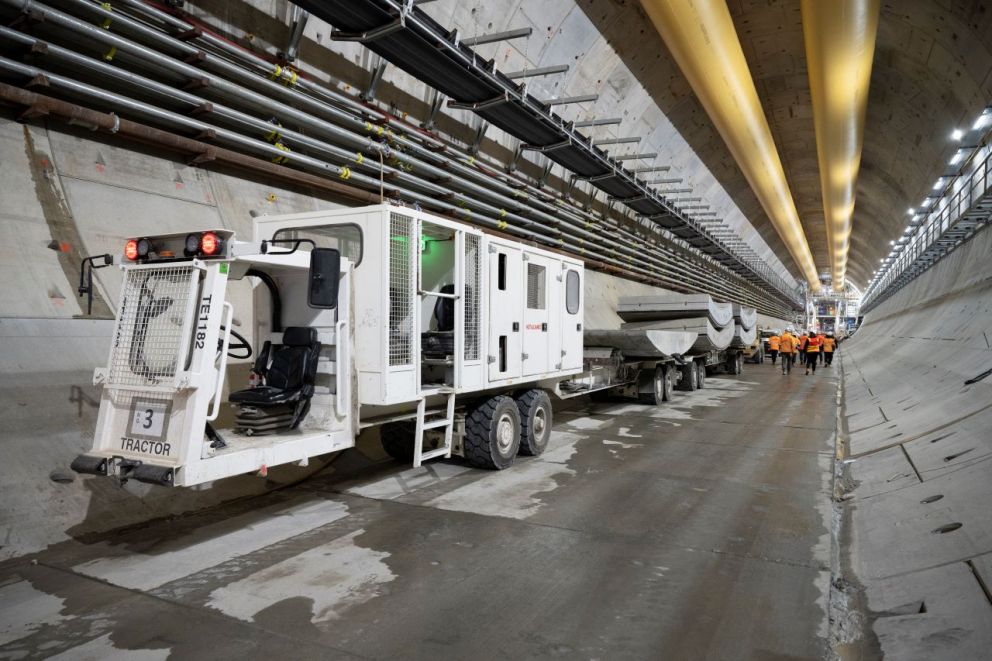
<point x="276" y="298"/>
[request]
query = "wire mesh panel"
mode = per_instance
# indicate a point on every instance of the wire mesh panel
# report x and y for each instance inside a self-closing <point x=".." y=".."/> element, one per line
<point x="149" y="335"/>
<point x="535" y="286"/>
<point x="400" y="290"/>
<point x="473" y="264"/>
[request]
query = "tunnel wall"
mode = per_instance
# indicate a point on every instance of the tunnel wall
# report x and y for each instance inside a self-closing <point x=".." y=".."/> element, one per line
<point x="919" y="450"/>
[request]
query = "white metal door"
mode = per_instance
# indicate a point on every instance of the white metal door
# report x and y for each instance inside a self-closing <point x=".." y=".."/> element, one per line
<point x="541" y="341"/>
<point x="572" y="319"/>
<point x="505" y="311"/>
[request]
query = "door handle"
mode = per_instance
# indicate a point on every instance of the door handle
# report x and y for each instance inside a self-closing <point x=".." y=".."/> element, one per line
<point x="544" y="328"/>
<point x="516" y="326"/>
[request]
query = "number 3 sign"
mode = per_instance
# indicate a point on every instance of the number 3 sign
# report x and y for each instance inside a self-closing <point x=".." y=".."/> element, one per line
<point x="149" y="418"/>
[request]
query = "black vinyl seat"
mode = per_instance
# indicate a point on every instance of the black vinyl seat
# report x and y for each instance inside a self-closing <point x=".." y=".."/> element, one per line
<point x="440" y="343"/>
<point x="289" y="377"/>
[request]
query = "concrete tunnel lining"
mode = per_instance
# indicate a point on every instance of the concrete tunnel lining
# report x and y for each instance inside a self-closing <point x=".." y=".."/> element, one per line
<point x="818" y="500"/>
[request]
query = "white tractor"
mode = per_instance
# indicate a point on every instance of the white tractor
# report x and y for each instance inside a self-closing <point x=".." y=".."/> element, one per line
<point x="447" y="338"/>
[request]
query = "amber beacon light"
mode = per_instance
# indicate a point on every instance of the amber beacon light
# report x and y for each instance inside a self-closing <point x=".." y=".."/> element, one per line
<point x="840" y="47"/>
<point x="701" y="37"/>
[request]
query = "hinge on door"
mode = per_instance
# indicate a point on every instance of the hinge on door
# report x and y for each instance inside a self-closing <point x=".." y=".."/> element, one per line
<point x="492" y="249"/>
<point x="564" y="353"/>
<point x="557" y="366"/>
<point x="525" y="356"/>
<point x="559" y="277"/>
<point x="526" y="257"/>
<point x="491" y="359"/>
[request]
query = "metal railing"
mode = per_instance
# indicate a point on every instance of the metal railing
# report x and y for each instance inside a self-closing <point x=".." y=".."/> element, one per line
<point x="961" y="213"/>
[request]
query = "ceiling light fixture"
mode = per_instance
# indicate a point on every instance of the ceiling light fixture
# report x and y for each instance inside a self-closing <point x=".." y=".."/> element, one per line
<point x="703" y="41"/>
<point x="840" y="47"/>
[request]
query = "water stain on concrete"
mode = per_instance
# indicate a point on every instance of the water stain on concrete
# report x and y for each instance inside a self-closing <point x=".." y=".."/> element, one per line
<point x="24" y="610"/>
<point x="60" y="222"/>
<point x="333" y="576"/>
<point x="103" y="649"/>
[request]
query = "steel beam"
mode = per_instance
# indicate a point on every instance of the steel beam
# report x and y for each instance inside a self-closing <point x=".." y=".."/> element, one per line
<point x="496" y="36"/>
<point x="615" y="141"/>
<point x="581" y="98"/>
<point x="635" y="157"/>
<point x="539" y="71"/>
<point x="610" y="121"/>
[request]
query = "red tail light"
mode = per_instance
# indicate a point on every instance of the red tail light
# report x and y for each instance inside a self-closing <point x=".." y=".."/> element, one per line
<point x="131" y="250"/>
<point x="209" y="243"/>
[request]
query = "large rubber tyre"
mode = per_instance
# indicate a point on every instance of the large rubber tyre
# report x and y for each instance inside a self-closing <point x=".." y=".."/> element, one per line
<point x="740" y="364"/>
<point x="700" y="374"/>
<point x="397" y="439"/>
<point x="669" y="383"/>
<point x="652" y="389"/>
<point x="690" y="378"/>
<point x="535" y="421"/>
<point x="492" y="433"/>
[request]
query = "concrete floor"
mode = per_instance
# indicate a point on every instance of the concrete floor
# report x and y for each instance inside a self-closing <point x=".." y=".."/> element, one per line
<point x="696" y="530"/>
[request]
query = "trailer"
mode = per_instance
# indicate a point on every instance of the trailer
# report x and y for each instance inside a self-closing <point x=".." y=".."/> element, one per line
<point x="646" y="364"/>
<point x="446" y="338"/>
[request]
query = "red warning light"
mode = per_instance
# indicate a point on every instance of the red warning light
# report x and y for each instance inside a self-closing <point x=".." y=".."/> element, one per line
<point x="209" y="244"/>
<point x="131" y="250"/>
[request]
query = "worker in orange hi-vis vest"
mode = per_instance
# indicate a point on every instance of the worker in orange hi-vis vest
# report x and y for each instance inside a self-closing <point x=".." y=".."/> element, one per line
<point x="829" y="345"/>
<point x="812" y="352"/>
<point x="820" y="336"/>
<point x="773" y="344"/>
<point x="787" y="348"/>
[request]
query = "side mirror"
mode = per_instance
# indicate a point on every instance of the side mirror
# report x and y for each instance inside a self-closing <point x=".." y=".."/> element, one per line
<point x="325" y="272"/>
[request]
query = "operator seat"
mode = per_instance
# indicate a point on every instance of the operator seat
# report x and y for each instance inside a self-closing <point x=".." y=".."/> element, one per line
<point x="440" y="343"/>
<point x="284" y="400"/>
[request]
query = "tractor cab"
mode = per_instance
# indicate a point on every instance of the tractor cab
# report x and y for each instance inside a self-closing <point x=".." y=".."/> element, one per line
<point x="166" y="414"/>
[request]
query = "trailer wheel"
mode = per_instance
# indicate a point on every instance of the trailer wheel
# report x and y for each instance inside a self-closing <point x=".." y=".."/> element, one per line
<point x="653" y="392"/>
<point x="739" y="363"/>
<point x="492" y="433"/>
<point x="535" y="421"/>
<point x="701" y="376"/>
<point x="690" y="377"/>
<point x="397" y="439"/>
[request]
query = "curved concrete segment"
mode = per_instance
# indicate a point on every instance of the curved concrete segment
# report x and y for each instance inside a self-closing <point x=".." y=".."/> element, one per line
<point x="646" y="343"/>
<point x="676" y="306"/>
<point x="743" y="337"/>
<point x="708" y="336"/>
<point x="745" y="316"/>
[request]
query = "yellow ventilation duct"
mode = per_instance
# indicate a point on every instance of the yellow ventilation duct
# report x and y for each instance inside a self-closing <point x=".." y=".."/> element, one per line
<point x="700" y="35"/>
<point x="840" y="46"/>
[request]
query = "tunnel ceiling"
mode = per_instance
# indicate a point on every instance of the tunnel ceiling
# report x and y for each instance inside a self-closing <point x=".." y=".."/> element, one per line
<point x="932" y="73"/>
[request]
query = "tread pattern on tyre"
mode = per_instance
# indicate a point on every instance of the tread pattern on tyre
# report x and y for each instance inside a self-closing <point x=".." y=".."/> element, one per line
<point x="650" y="397"/>
<point x="478" y="432"/>
<point x="524" y="404"/>
<point x="397" y="439"/>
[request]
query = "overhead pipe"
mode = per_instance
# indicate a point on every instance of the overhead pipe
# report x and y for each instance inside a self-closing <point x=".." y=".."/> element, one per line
<point x="840" y="47"/>
<point x="212" y="152"/>
<point x="701" y="37"/>
<point x="290" y="77"/>
<point x="629" y="252"/>
<point x="297" y="84"/>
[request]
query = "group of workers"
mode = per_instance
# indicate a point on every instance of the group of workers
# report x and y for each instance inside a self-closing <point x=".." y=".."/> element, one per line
<point x="810" y="347"/>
